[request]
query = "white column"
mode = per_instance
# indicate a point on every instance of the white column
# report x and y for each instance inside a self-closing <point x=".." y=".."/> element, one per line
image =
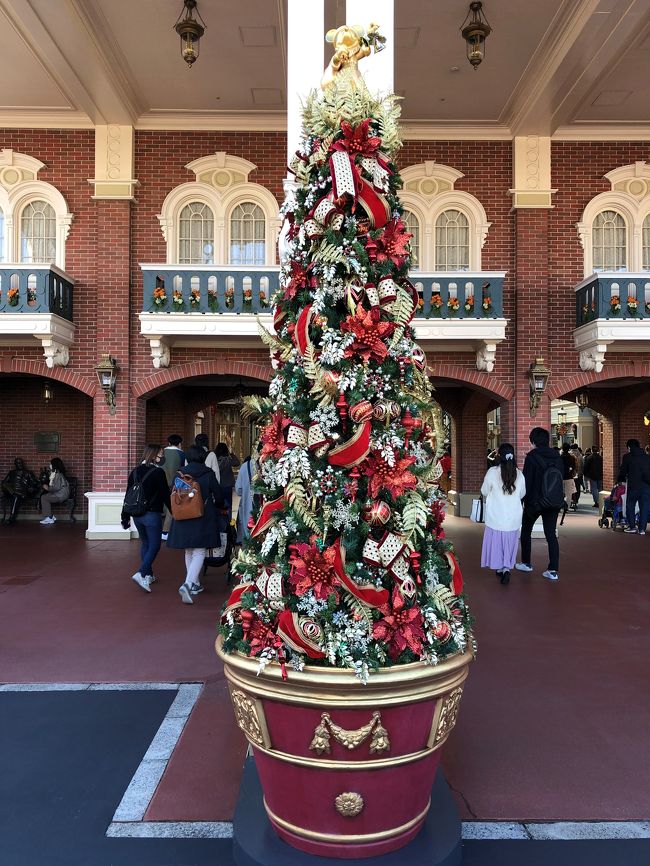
<point x="305" y="60"/>
<point x="378" y="70"/>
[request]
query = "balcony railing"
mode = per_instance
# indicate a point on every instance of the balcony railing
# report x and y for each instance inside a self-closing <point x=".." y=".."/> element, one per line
<point x="613" y="295"/>
<point x="242" y="289"/>
<point x="35" y="289"/>
<point x="208" y="288"/>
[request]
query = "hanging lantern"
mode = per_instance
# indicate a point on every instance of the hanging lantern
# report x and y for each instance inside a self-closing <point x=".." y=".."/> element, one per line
<point x="190" y="30"/>
<point x="475" y="32"/>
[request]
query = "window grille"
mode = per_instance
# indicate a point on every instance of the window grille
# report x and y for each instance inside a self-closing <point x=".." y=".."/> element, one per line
<point x="247" y="235"/>
<point x="413" y="227"/>
<point x="38" y="233"/>
<point x="609" y="242"/>
<point x="196" y="235"/>
<point x="646" y="244"/>
<point x="452" y="241"/>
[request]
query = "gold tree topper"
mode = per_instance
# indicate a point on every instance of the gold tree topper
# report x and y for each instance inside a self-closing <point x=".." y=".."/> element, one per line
<point x="351" y="44"/>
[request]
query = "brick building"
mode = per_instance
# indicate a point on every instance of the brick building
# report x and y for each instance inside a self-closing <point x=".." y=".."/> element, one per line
<point x="539" y="206"/>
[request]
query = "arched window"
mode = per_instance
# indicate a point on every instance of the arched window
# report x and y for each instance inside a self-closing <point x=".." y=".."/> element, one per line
<point x="247" y="235"/>
<point x="646" y="244"/>
<point x="452" y="241"/>
<point x="196" y="235"/>
<point x="2" y="235"/>
<point x="608" y="238"/>
<point x="38" y="233"/>
<point x="413" y="227"/>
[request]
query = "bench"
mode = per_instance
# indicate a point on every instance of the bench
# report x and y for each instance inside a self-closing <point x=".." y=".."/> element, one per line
<point x="35" y="501"/>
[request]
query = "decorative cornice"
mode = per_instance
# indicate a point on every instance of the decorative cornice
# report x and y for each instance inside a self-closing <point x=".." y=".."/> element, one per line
<point x="603" y="131"/>
<point x="231" y="121"/>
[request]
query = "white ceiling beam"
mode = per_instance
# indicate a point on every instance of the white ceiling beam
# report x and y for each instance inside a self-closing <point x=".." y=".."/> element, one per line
<point x="530" y="108"/>
<point x="31" y="31"/>
<point x="616" y="32"/>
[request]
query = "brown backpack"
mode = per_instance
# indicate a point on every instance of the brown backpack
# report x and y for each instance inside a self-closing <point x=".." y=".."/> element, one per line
<point x="187" y="500"/>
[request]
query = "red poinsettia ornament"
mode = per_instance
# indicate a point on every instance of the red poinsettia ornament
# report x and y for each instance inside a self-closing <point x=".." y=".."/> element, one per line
<point x="370" y="334"/>
<point x="401" y="628"/>
<point x="313" y="569"/>
<point x="396" y="478"/>
<point x="393" y="243"/>
<point x="272" y="438"/>
<point x="298" y="279"/>
<point x="356" y="139"/>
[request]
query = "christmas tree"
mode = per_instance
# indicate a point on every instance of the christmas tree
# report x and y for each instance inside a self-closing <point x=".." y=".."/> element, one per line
<point x="347" y="564"/>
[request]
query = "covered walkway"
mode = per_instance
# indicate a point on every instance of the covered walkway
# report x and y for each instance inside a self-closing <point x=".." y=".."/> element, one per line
<point x="553" y="723"/>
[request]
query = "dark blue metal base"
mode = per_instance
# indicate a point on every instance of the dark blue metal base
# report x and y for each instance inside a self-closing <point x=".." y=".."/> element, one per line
<point x="256" y="844"/>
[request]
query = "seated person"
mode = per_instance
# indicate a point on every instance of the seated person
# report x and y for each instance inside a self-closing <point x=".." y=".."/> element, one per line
<point x="56" y="489"/>
<point x="18" y="484"/>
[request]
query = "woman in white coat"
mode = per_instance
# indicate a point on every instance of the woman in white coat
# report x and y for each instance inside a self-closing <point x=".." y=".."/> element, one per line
<point x="503" y="489"/>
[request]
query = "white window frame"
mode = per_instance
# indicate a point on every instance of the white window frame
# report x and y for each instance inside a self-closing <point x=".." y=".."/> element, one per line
<point x="629" y="197"/>
<point x="432" y="193"/>
<point x="19" y="187"/>
<point x="224" y="184"/>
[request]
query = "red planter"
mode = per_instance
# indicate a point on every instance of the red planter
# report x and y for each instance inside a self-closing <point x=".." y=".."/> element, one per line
<point x="346" y="769"/>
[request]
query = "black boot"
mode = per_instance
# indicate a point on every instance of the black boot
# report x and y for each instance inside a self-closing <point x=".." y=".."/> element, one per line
<point x="505" y="576"/>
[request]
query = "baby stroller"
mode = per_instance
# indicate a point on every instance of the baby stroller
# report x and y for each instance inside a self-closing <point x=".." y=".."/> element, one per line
<point x="613" y="509"/>
<point x="218" y="556"/>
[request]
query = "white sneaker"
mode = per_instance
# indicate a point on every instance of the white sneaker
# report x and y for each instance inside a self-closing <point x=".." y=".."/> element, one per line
<point x="641" y="532"/>
<point x="523" y="566"/>
<point x="150" y="579"/>
<point x="46" y="521"/>
<point x="551" y="575"/>
<point x="630" y="529"/>
<point x="185" y="594"/>
<point x="141" y="581"/>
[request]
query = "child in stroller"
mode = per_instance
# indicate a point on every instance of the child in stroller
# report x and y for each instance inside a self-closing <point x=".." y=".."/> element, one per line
<point x="613" y="509"/>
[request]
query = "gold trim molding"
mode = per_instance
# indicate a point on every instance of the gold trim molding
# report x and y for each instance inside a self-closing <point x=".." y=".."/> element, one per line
<point x="359" y="838"/>
<point x="326" y="729"/>
<point x="249" y="715"/>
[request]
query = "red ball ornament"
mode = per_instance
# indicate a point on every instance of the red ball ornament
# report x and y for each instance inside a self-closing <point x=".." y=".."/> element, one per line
<point x="442" y="632"/>
<point x="377" y="513"/>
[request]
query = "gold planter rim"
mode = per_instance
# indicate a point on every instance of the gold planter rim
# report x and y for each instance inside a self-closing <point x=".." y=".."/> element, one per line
<point x="400" y="684"/>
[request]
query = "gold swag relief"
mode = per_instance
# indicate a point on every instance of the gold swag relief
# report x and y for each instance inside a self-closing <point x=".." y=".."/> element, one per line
<point x="249" y="715"/>
<point x="448" y="715"/>
<point x="326" y="729"/>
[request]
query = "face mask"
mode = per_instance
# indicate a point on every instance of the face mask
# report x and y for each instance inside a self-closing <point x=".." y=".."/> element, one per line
<point x="160" y="461"/>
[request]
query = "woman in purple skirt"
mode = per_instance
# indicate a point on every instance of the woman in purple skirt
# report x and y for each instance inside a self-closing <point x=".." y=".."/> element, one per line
<point x="502" y="490"/>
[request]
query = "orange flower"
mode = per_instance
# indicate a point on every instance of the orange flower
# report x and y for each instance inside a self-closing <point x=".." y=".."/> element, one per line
<point x="436" y="301"/>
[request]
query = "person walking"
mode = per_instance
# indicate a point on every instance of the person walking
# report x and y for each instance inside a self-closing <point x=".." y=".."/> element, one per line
<point x="503" y="489"/>
<point x="568" y="476"/>
<point x="543" y="473"/>
<point x="174" y="460"/>
<point x="150" y="478"/>
<point x="197" y="534"/>
<point x="57" y="489"/>
<point x="227" y="462"/>
<point x="635" y="471"/>
<point x="244" y="489"/>
<point x="578" y="480"/>
<point x="201" y="439"/>
<point x="593" y="470"/>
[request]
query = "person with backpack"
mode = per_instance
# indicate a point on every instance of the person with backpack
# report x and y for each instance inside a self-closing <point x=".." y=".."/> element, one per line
<point x="196" y="496"/>
<point x="147" y="494"/>
<point x="174" y="460"/>
<point x="543" y="473"/>
<point x="503" y="489"/>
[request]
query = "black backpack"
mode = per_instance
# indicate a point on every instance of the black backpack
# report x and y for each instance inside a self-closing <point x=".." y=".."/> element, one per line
<point x="135" y="502"/>
<point x="551" y="496"/>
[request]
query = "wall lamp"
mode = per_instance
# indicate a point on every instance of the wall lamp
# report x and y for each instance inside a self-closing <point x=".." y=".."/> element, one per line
<point x="582" y="399"/>
<point x="538" y="376"/>
<point x="106" y="372"/>
<point x="646" y="418"/>
<point x="48" y="392"/>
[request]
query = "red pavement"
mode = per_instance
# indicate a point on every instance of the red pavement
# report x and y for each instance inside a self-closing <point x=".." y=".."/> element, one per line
<point x="553" y="723"/>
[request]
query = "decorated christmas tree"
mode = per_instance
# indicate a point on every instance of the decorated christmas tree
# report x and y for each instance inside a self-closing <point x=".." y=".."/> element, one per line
<point x="347" y="564"/>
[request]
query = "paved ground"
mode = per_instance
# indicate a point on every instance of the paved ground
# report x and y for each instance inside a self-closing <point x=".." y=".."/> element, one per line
<point x="553" y="725"/>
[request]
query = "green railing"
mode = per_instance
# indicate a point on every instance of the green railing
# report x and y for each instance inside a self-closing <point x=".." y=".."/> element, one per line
<point x="35" y="289"/>
<point x="613" y="295"/>
<point x="242" y="289"/>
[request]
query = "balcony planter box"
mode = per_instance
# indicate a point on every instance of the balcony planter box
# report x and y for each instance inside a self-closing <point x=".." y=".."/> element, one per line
<point x="346" y="769"/>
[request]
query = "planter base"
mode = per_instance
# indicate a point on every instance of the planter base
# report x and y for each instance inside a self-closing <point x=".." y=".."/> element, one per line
<point x="255" y="842"/>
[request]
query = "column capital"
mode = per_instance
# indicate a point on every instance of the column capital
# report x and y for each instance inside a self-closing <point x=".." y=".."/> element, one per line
<point x="114" y="163"/>
<point x="531" y="164"/>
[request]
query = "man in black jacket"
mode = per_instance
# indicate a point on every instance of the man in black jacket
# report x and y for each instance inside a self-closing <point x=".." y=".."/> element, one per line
<point x="593" y="470"/>
<point x="535" y="465"/>
<point x="635" y="470"/>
